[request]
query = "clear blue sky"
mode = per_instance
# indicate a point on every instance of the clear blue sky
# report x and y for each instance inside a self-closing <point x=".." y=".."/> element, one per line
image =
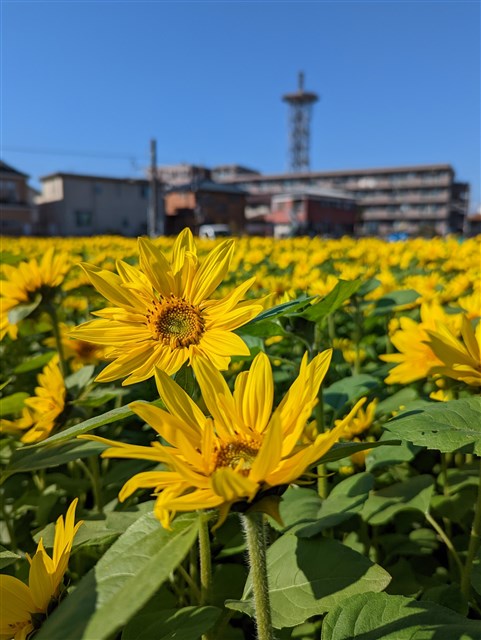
<point x="399" y="84"/>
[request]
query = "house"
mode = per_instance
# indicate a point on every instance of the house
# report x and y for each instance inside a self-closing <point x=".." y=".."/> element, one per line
<point x="85" y="205"/>
<point x="18" y="211"/>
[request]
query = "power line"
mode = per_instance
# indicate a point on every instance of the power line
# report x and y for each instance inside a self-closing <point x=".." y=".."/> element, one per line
<point x="84" y="154"/>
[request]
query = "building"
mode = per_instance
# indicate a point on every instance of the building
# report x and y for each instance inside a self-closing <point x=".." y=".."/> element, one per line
<point x="225" y="172"/>
<point x="473" y="224"/>
<point x="180" y="174"/>
<point x="83" y="205"/>
<point x="17" y="207"/>
<point x="204" y="202"/>
<point x="313" y="212"/>
<point x="416" y="200"/>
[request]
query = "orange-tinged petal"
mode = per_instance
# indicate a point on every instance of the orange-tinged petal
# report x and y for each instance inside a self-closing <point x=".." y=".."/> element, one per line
<point x="213" y="386"/>
<point x="166" y="425"/>
<point x="40" y="579"/>
<point x="17" y="603"/>
<point x="232" y="486"/>
<point x="157" y="268"/>
<point x="108" y="284"/>
<point x="258" y="393"/>
<point x="178" y="402"/>
<point x="211" y="272"/>
<point x="269" y="454"/>
<point x="148" y="480"/>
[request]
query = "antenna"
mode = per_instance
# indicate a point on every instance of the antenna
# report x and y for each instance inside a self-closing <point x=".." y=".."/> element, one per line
<point x="300" y="109"/>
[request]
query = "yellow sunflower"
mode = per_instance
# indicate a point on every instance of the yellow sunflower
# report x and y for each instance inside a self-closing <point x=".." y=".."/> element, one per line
<point x="78" y="352"/>
<point x="240" y="450"/>
<point x="22" y="283"/>
<point x="416" y="358"/>
<point x="24" y="608"/>
<point x="41" y="411"/>
<point x="459" y="360"/>
<point x="163" y="314"/>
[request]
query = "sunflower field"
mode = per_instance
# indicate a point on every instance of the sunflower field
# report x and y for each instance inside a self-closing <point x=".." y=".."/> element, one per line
<point x="245" y="439"/>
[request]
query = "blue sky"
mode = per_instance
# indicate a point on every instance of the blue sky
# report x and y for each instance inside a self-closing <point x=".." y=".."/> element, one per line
<point x="399" y="84"/>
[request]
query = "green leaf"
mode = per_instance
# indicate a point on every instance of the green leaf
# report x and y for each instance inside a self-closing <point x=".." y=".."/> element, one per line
<point x="309" y="576"/>
<point x="372" y="616"/>
<point x="284" y="309"/>
<point x="346" y="499"/>
<point x="92" y="423"/>
<point x="182" y="624"/>
<point x="22" y="311"/>
<point x="387" y="456"/>
<point x="390" y="302"/>
<point x="12" y="404"/>
<point x="298" y="505"/>
<point x="105" y="527"/>
<point x="37" y="362"/>
<point x="30" y="459"/>
<point x="398" y="400"/>
<point x="414" y="493"/>
<point x="476" y="573"/>
<point x="185" y="379"/>
<point x="343" y="290"/>
<point x="445" y="426"/>
<point x="349" y="389"/>
<point x="122" y="581"/>
<point x="262" y="329"/>
<point x="341" y="450"/>
<point x="7" y="557"/>
<point x="80" y="378"/>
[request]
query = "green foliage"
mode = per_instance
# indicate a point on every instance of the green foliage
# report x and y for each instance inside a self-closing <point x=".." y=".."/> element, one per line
<point x="446" y="426"/>
<point x="122" y="581"/>
<point x="309" y="576"/>
<point x="372" y="616"/>
<point x="182" y="624"/>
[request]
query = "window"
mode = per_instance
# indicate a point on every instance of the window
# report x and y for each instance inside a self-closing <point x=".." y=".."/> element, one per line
<point x="8" y="191"/>
<point x="83" y="218"/>
<point x="144" y="190"/>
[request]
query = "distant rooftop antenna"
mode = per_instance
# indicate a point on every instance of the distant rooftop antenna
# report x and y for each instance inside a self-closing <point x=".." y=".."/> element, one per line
<point x="300" y="108"/>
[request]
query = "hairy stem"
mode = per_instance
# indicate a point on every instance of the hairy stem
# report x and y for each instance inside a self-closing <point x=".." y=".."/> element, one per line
<point x="256" y="545"/>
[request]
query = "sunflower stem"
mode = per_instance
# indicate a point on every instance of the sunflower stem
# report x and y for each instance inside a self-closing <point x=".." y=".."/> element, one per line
<point x="52" y="312"/>
<point x="204" y="558"/>
<point x="447" y="541"/>
<point x="473" y="545"/>
<point x="253" y="525"/>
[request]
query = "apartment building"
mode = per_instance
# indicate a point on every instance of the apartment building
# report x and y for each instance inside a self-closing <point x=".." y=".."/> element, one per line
<point x="18" y="212"/>
<point x="83" y="205"/>
<point x="416" y="200"/>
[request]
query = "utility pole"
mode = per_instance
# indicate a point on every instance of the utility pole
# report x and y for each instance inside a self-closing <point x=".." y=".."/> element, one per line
<point x="152" y="211"/>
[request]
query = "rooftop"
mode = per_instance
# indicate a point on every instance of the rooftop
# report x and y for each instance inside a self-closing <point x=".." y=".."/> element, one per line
<point x="80" y="176"/>
<point x="345" y="172"/>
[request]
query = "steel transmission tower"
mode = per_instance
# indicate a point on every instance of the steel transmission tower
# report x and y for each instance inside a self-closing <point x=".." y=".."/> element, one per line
<point x="300" y="108"/>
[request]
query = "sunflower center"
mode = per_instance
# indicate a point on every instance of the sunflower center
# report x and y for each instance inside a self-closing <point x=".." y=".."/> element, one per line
<point x="236" y="455"/>
<point x="175" y="322"/>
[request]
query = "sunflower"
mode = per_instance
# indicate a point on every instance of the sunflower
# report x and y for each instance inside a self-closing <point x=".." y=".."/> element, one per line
<point x="26" y="285"/>
<point x="41" y="411"/>
<point x="237" y="452"/>
<point x="78" y="352"/>
<point x="460" y="360"/>
<point x="24" y="608"/>
<point x="416" y="358"/>
<point x="163" y="314"/>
